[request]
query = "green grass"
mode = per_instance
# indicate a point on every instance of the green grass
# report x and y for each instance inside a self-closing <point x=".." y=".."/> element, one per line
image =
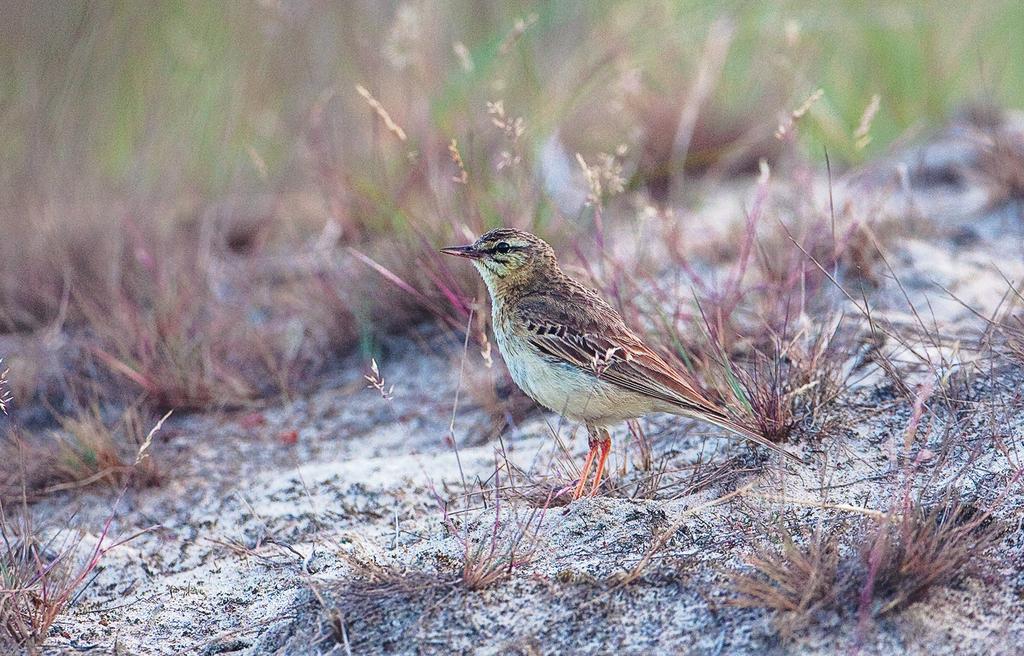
<point x="174" y="97"/>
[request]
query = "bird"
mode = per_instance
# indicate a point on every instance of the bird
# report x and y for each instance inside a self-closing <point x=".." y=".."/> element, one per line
<point x="572" y="353"/>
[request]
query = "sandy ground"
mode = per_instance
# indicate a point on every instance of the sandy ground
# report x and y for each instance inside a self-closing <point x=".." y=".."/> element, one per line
<point x="333" y="538"/>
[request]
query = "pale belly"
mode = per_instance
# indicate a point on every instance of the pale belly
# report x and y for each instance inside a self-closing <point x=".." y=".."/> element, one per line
<point x="566" y="389"/>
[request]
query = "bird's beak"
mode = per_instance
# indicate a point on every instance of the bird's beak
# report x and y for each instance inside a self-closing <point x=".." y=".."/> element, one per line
<point x="463" y="251"/>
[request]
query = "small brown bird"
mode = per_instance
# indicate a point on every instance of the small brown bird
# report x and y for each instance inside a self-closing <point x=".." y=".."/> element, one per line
<point x="572" y="353"/>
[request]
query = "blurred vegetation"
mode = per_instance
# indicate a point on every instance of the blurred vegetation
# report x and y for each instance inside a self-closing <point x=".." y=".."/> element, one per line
<point x="214" y="97"/>
<point x="180" y="181"/>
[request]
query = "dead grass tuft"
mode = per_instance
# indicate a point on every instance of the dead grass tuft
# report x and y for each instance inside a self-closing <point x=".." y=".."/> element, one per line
<point x="883" y="566"/>
<point x="175" y="346"/>
<point x="354" y="611"/>
<point x="792" y="385"/>
<point x="43" y="570"/>
<point x="796" y="580"/>
<point x="925" y="547"/>
<point x="88" y="448"/>
<point x="39" y="579"/>
<point x="491" y="554"/>
<point x="91" y="450"/>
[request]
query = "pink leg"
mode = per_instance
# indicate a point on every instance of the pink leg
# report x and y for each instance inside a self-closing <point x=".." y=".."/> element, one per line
<point x="606" y="446"/>
<point x="586" y="472"/>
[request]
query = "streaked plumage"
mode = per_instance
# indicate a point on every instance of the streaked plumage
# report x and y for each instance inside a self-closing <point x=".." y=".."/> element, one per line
<point x="571" y="352"/>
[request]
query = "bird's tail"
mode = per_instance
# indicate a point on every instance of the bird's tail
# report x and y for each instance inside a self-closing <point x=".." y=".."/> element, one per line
<point x="742" y="431"/>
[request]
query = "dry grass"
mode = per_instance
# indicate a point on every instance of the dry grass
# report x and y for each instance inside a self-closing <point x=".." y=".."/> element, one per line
<point x="796" y="580"/>
<point x="88" y="448"/>
<point x="506" y="544"/>
<point x="1006" y="330"/>
<point x="930" y="534"/>
<point x="376" y="596"/>
<point x="169" y="351"/>
<point x="43" y="570"/>
<point x="203" y="295"/>
<point x="792" y="385"/>
<point x="1001" y="162"/>
<point x="665" y="536"/>
<point x="373" y="595"/>
<point x="925" y="547"/>
<point x="38" y="582"/>
<point x="1015" y="337"/>
<point x="886" y="564"/>
<point x="202" y="226"/>
<point x="644" y="471"/>
<point x="769" y="339"/>
<point x="91" y="450"/>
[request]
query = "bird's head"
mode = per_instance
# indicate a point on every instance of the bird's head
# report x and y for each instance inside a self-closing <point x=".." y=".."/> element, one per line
<point x="508" y="257"/>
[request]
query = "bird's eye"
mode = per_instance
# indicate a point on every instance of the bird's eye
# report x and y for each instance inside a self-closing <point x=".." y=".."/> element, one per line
<point x="502" y="248"/>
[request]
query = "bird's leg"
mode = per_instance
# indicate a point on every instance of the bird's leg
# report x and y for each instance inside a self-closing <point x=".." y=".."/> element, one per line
<point x="595" y="445"/>
<point x="606" y="446"/>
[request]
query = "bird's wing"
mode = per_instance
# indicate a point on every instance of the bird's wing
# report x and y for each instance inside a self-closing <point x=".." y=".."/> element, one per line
<point x="608" y="349"/>
<point x="618" y="359"/>
<point x="590" y="335"/>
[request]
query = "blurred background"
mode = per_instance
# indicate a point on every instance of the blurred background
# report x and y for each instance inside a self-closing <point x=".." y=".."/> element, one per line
<point x="207" y="203"/>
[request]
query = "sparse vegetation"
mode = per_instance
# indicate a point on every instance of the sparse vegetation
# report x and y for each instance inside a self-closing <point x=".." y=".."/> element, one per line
<point x="798" y="580"/>
<point x="178" y="288"/>
<point x="247" y="234"/>
<point x="86" y="448"/>
<point x="884" y="565"/>
<point x="907" y="556"/>
<point x="923" y="540"/>
<point x="374" y="597"/>
<point x="507" y="544"/>
<point x="492" y="546"/>
<point x="38" y="582"/>
<point x="43" y="569"/>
